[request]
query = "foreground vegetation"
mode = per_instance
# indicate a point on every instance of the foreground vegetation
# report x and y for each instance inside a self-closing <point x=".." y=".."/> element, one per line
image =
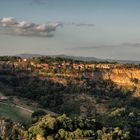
<point x="63" y="128"/>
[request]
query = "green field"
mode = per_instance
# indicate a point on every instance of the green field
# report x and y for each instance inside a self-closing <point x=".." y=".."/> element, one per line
<point x="14" y="113"/>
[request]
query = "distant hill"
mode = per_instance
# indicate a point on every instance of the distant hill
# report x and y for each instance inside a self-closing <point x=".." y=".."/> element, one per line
<point x="81" y="58"/>
<point x="27" y="55"/>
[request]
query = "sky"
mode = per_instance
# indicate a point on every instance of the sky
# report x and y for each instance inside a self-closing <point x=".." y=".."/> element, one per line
<point x="108" y="29"/>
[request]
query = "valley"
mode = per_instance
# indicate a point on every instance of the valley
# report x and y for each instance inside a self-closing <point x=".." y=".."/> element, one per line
<point x="108" y="92"/>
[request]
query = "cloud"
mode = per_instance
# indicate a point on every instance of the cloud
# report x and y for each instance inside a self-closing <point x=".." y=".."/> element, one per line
<point x="81" y="24"/>
<point x="89" y="48"/>
<point x="25" y="25"/>
<point x="131" y="44"/>
<point x="48" y="27"/>
<point x="38" y="2"/>
<point x="10" y="26"/>
<point x="84" y="24"/>
<point x="8" y="21"/>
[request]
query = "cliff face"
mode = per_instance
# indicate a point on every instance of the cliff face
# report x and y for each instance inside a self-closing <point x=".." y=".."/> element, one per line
<point x="123" y="75"/>
<point x="126" y="77"/>
<point x="120" y="76"/>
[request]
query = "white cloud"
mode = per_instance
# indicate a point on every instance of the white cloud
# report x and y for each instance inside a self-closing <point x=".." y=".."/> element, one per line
<point x="8" y="21"/>
<point x="25" y="25"/>
<point x="41" y="27"/>
<point x="11" y="26"/>
<point x="48" y="27"/>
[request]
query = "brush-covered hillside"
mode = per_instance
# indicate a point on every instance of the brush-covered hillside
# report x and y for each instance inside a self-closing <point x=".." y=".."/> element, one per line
<point x="101" y="100"/>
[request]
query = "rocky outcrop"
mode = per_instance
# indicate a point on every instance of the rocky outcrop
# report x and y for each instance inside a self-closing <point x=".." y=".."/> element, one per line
<point x="122" y="76"/>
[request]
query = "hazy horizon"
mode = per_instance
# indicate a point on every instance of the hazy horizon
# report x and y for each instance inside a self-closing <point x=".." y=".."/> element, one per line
<point x="90" y="28"/>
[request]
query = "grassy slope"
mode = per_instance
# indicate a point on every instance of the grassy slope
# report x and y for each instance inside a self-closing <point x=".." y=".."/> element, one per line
<point x="13" y="113"/>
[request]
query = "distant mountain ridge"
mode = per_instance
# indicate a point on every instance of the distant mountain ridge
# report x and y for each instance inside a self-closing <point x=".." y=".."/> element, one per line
<point x="81" y="58"/>
<point x="27" y="55"/>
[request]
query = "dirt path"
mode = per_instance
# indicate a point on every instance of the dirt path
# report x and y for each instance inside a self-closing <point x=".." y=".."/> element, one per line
<point x="25" y="109"/>
<point x="29" y="105"/>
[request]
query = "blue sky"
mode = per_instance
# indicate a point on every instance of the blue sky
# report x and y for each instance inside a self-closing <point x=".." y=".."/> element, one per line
<point x="115" y="34"/>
